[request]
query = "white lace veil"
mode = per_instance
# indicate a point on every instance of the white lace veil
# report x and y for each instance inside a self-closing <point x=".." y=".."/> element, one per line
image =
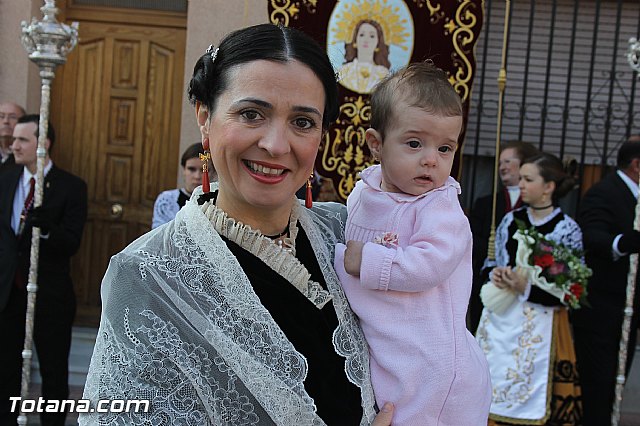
<point x="182" y="327"/>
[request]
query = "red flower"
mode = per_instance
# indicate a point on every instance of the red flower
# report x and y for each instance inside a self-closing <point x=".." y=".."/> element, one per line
<point x="576" y="289"/>
<point x="546" y="247"/>
<point x="543" y="260"/>
<point x="556" y="268"/>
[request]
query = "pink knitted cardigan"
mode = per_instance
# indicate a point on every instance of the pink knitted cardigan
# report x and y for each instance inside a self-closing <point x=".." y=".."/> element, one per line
<point x="412" y="303"/>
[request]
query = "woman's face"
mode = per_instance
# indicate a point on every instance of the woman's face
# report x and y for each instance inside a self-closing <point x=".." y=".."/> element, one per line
<point x="192" y="173"/>
<point x="264" y="135"/>
<point x="366" y="40"/>
<point x="533" y="189"/>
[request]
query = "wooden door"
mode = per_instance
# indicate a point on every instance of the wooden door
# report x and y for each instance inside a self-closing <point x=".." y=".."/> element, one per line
<point x="116" y="107"/>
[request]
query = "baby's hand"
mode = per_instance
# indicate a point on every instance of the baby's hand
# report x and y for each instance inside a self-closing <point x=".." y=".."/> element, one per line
<point x="353" y="257"/>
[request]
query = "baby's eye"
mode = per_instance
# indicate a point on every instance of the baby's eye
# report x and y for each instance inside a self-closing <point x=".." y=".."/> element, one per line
<point x="414" y="144"/>
<point x="304" y="123"/>
<point x="445" y="148"/>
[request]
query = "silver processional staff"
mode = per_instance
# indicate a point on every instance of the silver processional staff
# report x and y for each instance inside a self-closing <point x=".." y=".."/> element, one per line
<point x="48" y="42"/>
<point x="633" y="56"/>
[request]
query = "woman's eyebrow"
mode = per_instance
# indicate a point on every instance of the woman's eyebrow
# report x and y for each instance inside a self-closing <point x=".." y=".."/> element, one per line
<point x="255" y="101"/>
<point x="306" y="109"/>
<point x="265" y="104"/>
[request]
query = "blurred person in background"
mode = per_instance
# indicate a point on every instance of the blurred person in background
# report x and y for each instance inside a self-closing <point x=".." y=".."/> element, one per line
<point x="170" y="202"/>
<point x="10" y="112"/>
<point x="512" y="155"/>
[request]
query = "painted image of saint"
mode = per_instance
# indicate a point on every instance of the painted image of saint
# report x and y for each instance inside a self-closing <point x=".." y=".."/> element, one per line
<point x="368" y="38"/>
<point x="366" y="58"/>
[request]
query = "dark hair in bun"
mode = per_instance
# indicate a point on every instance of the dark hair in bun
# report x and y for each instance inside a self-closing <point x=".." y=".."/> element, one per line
<point x="552" y="170"/>
<point x="262" y="42"/>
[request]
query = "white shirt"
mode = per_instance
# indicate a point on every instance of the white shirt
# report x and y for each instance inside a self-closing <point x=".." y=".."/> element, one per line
<point x="514" y="194"/>
<point x="22" y="190"/>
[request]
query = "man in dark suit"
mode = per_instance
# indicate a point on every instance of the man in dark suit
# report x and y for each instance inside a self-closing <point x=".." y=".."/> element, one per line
<point x="606" y="217"/>
<point x="512" y="154"/>
<point x="61" y="218"/>
<point x="9" y="114"/>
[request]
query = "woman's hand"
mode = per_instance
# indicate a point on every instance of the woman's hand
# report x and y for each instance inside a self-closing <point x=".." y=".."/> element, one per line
<point x="353" y="257"/>
<point x="497" y="277"/>
<point x="384" y="416"/>
<point x="514" y="280"/>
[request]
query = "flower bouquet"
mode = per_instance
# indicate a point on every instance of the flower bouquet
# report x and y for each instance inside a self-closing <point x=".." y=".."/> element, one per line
<point x="553" y="267"/>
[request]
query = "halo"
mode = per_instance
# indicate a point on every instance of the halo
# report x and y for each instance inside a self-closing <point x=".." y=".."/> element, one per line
<point x="388" y="16"/>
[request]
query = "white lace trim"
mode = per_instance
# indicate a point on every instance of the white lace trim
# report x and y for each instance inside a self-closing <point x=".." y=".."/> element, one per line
<point x="276" y="257"/>
<point x="544" y="220"/>
<point x="566" y="232"/>
<point x="348" y="339"/>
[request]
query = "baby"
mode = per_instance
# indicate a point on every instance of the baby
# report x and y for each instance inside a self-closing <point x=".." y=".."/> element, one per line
<point x="406" y="268"/>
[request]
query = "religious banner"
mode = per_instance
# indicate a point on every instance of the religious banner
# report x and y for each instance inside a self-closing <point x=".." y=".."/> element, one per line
<point x="365" y="40"/>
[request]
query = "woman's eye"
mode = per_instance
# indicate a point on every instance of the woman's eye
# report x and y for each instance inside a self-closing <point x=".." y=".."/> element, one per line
<point x="250" y="114"/>
<point x="304" y="123"/>
<point x="414" y="144"/>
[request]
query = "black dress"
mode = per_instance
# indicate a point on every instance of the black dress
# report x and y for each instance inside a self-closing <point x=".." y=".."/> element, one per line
<point x="309" y="329"/>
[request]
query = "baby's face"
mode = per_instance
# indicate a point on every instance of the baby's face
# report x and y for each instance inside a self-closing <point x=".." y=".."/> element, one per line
<point x="418" y="150"/>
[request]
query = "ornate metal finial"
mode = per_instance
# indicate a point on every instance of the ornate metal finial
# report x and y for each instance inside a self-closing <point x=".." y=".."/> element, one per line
<point x="48" y="41"/>
<point x="633" y="54"/>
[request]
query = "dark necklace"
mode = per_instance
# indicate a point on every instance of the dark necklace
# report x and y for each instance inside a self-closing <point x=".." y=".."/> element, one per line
<point x="280" y="235"/>
<point x="541" y="208"/>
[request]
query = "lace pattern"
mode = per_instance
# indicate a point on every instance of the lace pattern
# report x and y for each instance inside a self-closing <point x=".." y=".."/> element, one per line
<point x="276" y="257"/>
<point x="566" y="232"/>
<point x="182" y="327"/>
<point x="165" y="207"/>
<point x="348" y="339"/>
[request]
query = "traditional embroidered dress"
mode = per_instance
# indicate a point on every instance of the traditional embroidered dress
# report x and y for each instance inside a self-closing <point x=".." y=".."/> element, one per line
<point x="167" y="206"/>
<point x="216" y="325"/>
<point x="529" y="347"/>
<point x="412" y="298"/>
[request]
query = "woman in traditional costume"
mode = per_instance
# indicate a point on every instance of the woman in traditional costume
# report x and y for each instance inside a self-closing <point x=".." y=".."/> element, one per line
<point x="232" y="314"/>
<point x="528" y="343"/>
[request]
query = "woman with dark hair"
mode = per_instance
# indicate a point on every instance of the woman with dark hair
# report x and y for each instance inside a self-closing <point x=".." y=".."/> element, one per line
<point x="366" y="58"/>
<point x="170" y="202"/>
<point x="232" y="314"/>
<point x="529" y="345"/>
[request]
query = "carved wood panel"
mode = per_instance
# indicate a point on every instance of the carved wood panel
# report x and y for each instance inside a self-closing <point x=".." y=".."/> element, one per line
<point x="116" y="108"/>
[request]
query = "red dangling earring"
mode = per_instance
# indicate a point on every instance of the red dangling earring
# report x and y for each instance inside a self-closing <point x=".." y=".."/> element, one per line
<point x="308" y="200"/>
<point x="206" y="188"/>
